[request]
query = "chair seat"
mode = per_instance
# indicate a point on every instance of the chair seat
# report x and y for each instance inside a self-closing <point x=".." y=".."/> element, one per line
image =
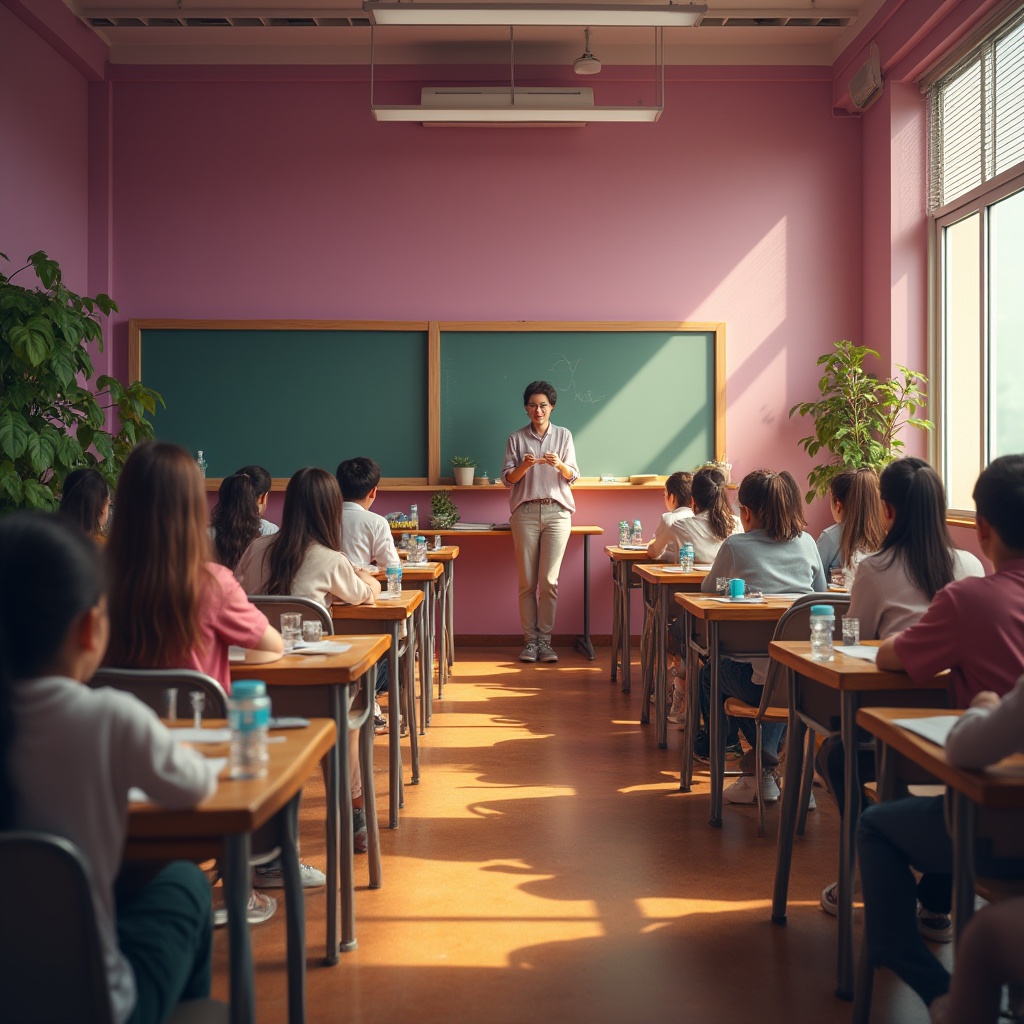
<point x="741" y="709"/>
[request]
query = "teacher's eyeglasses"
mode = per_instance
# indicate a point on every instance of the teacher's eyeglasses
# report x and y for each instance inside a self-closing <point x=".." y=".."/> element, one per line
<point x="540" y="408"/>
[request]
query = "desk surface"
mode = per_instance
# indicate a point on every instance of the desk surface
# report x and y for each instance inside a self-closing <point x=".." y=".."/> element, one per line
<point x="448" y="553"/>
<point x="416" y="573"/>
<point x="663" y="572"/>
<point x="844" y="672"/>
<point x="585" y="530"/>
<point x="239" y="805"/>
<point x="310" y="669"/>
<point x="712" y="609"/>
<point x="617" y="554"/>
<point x="385" y="608"/>
<point x="1000" y="785"/>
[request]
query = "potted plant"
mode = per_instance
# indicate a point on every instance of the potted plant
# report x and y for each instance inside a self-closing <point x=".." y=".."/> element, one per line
<point x="858" y="417"/>
<point x="444" y="513"/>
<point x="51" y="421"/>
<point x="464" y="469"/>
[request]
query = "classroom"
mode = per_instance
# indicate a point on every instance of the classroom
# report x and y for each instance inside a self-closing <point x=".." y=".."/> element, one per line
<point x="239" y="178"/>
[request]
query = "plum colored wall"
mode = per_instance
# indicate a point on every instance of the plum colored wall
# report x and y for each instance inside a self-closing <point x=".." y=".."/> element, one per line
<point x="44" y="157"/>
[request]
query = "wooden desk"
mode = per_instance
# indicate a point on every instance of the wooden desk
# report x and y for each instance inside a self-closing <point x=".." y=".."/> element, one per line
<point x="660" y="581"/>
<point x="221" y="827"/>
<point x="386" y="616"/>
<point x="446" y="555"/>
<point x="820" y="692"/>
<point x="733" y="629"/>
<point x="425" y="579"/>
<point x="622" y="583"/>
<point x="328" y="685"/>
<point x="583" y="643"/>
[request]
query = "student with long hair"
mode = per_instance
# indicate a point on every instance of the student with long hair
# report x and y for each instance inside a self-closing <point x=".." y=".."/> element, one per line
<point x="235" y="519"/>
<point x="85" y="500"/>
<point x="305" y="560"/>
<point x="678" y="508"/>
<point x="859" y="528"/>
<point x="776" y="555"/>
<point x="69" y="755"/>
<point x="262" y="481"/>
<point x="171" y="605"/>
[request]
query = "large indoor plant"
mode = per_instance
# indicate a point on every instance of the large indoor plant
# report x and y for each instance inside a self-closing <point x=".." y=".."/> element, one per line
<point x="859" y="416"/>
<point x="51" y="420"/>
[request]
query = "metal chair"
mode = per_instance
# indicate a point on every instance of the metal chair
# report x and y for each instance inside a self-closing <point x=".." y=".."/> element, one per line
<point x="276" y="605"/>
<point x="52" y="966"/>
<point x="151" y="684"/>
<point x="774" y="707"/>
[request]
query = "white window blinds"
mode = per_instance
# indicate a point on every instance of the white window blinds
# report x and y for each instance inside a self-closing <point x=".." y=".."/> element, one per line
<point x="976" y="116"/>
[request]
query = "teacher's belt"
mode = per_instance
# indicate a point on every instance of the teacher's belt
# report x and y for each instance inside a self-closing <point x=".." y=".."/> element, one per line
<point x="542" y="501"/>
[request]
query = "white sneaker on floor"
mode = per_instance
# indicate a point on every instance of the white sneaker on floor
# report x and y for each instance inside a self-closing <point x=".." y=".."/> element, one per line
<point x="811" y="802"/>
<point x="677" y="713"/>
<point x="261" y="908"/>
<point x="270" y="876"/>
<point x="742" y="791"/>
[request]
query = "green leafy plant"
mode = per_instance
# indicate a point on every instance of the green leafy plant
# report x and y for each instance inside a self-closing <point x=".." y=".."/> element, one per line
<point x="51" y="421"/>
<point x="858" y="417"/>
<point x="444" y="513"/>
<point x="462" y="460"/>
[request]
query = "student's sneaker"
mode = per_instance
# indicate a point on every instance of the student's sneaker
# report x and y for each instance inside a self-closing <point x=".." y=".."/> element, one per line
<point x="830" y="899"/>
<point x="743" y="790"/>
<point x="677" y="712"/>
<point x="529" y="652"/>
<point x="545" y="652"/>
<point x="271" y="876"/>
<point x="360" y="836"/>
<point x="261" y="908"/>
<point x="380" y="724"/>
<point x="934" y="927"/>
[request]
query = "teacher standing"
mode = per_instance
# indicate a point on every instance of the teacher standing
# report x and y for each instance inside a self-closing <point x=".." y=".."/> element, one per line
<point x="540" y="464"/>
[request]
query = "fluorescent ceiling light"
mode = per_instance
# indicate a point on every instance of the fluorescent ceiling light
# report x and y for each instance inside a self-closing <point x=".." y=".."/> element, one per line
<point x="669" y="15"/>
<point x="514" y="115"/>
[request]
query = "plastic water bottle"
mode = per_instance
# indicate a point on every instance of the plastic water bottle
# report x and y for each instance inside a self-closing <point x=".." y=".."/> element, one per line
<point x="248" y="719"/>
<point x="686" y="557"/>
<point x="394" y="578"/>
<point x="823" y="623"/>
<point x="421" y="548"/>
<point x="201" y="463"/>
<point x="637" y="537"/>
<point x="623" y="533"/>
<point x="414" y="514"/>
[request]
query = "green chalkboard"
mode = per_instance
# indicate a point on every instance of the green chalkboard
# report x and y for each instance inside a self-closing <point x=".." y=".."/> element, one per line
<point x="636" y="401"/>
<point x="287" y="398"/>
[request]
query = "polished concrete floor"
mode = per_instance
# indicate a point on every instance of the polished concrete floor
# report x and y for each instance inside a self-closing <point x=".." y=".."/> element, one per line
<point x="547" y="867"/>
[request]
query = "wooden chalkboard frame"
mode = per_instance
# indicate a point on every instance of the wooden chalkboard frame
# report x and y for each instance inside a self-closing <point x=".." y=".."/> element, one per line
<point x="435" y="331"/>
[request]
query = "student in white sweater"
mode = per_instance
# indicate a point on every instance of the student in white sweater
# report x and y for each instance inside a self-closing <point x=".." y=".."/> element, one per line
<point x="678" y="508"/>
<point x="69" y="755"/>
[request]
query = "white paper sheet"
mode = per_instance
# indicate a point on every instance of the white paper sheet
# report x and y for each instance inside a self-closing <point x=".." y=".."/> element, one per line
<point x="321" y="646"/>
<point x="935" y="728"/>
<point x="138" y="796"/>
<point x="864" y="653"/>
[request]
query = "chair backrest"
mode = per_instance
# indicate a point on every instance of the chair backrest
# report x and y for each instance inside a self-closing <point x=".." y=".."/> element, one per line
<point x="151" y="685"/>
<point x="274" y="605"/>
<point x="795" y="624"/>
<point x="52" y="967"/>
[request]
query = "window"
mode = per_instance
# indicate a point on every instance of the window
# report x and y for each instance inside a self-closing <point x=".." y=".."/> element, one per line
<point x="976" y="191"/>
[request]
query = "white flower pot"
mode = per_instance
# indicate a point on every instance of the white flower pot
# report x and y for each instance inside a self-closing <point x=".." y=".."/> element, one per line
<point x="464" y="475"/>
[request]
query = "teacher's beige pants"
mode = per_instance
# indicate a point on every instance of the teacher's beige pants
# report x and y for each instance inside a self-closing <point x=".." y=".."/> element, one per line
<point x="540" y="533"/>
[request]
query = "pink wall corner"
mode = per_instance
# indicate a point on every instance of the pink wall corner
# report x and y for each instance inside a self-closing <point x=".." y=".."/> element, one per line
<point x="53" y="23"/>
<point x="44" y="156"/>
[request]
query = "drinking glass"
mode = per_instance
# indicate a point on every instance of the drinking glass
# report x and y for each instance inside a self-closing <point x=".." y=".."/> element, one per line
<point x="171" y="704"/>
<point x="312" y="631"/>
<point x="851" y="630"/>
<point x="837" y="578"/>
<point x="291" y="630"/>
<point x="198" y="700"/>
<point x="722" y="586"/>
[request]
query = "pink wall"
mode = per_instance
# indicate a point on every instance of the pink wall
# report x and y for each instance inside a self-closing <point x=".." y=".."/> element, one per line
<point x="43" y="160"/>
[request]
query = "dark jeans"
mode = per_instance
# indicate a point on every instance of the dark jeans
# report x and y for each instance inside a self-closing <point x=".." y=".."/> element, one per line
<point x="735" y="680"/>
<point x="381" y="685"/>
<point x="892" y="838"/>
<point x="165" y="931"/>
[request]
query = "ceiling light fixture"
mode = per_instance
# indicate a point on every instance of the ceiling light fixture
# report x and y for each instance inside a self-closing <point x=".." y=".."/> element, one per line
<point x="671" y="15"/>
<point x="588" y="64"/>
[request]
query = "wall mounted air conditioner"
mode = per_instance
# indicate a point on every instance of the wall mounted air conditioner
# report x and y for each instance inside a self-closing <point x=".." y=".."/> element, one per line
<point x="866" y="85"/>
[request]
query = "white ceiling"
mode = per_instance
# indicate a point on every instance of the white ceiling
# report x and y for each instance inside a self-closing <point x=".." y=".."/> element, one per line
<point x="738" y="32"/>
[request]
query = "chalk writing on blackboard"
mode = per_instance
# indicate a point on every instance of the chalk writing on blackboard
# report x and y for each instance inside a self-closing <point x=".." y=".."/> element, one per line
<point x="562" y="367"/>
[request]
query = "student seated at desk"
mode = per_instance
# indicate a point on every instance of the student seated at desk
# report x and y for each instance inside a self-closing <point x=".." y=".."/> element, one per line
<point x="678" y="507"/>
<point x="859" y="527"/>
<point x="775" y="555"/>
<point x="69" y="755"/>
<point x="85" y="500"/>
<point x="171" y="605"/>
<point x="305" y="560"/>
<point x="262" y="481"/>
<point x="235" y="520"/>
<point x="712" y="521"/>
<point x="365" y="539"/>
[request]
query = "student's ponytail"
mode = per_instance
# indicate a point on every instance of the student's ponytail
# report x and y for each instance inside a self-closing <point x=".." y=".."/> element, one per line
<point x="53" y="575"/>
<point x="711" y="495"/>
<point x="918" y="534"/>
<point x="775" y="499"/>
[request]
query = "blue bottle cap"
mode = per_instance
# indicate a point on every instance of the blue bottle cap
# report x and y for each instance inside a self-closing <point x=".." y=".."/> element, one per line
<point x="245" y="689"/>
<point x="823" y="609"/>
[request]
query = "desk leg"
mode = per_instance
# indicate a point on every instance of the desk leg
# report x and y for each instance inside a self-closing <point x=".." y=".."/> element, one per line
<point x="714" y="729"/>
<point x="626" y="625"/>
<point x="333" y="783"/>
<point x="662" y="596"/>
<point x="295" y="912"/>
<point x="369" y="793"/>
<point x="616" y="615"/>
<point x="692" y="706"/>
<point x="410" y="691"/>
<point x="426" y="660"/>
<point x="394" y="731"/>
<point x="449" y="568"/>
<point x="583" y="644"/>
<point x="237" y="886"/>
<point x="442" y="635"/>
<point x="847" y="847"/>
<point x="348" y="900"/>
<point x="647" y="668"/>
<point x="963" y="826"/>
<point x="791" y="793"/>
